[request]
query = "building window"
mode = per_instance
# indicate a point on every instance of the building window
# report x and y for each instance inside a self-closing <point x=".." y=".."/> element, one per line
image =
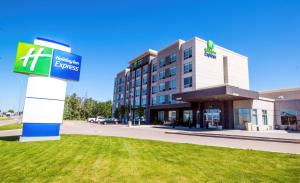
<point x="244" y="116"/>
<point x="145" y="69"/>
<point x="172" y="116"/>
<point x="131" y="101"/>
<point x="131" y="84"/>
<point x="188" y="82"/>
<point x="162" y="62"/>
<point x="254" y="117"/>
<point x="162" y="99"/>
<point x="132" y="74"/>
<point x="161" y="115"/>
<point x="153" y="100"/>
<point x="132" y="92"/>
<point x="188" y="116"/>
<point x="172" y="71"/>
<point x="170" y="99"/>
<point x="288" y="117"/>
<point x="172" y="84"/>
<point x="265" y="117"/>
<point x="187" y="67"/>
<point x="137" y="101"/>
<point x="188" y="53"/>
<point x="145" y="79"/>
<point x="138" y="72"/>
<point x="144" y="101"/>
<point x="162" y="87"/>
<point x="154" y="78"/>
<point x="154" y="89"/>
<point x="138" y="82"/>
<point x="137" y="92"/>
<point x="144" y="91"/>
<point x="173" y="58"/>
<point x="154" y="67"/>
<point x="162" y="75"/>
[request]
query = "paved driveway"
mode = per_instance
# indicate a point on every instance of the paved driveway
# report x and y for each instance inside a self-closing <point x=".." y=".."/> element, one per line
<point x="159" y="133"/>
<point x="10" y="121"/>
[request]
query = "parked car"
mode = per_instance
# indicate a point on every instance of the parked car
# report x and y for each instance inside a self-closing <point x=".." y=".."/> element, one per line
<point x="103" y="120"/>
<point x="112" y="120"/>
<point x="97" y="120"/>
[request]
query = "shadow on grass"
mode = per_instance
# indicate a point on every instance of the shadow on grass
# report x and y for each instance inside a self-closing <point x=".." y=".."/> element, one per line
<point x="10" y="138"/>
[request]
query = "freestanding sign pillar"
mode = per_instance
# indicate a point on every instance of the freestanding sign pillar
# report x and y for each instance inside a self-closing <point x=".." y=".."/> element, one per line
<point x="43" y="109"/>
<point x="50" y="64"/>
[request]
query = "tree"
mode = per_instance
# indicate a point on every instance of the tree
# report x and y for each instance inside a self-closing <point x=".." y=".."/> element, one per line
<point x="88" y="108"/>
<point x="11" y="111"/>
<point x="105" y="109"/>
<point x="122" y="112"/>
<point x="77" y="108"/>
<point x="140" y="113"/>
<point x="72" y="107"/>
<point x="117" y="113"/>
<point x="127" y="111"/>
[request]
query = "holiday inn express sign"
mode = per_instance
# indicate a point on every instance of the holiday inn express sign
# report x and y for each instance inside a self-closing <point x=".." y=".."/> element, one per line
<point x="50" y="65"/>
<point x="209" y="50"/>
<point x="45" y="61"/>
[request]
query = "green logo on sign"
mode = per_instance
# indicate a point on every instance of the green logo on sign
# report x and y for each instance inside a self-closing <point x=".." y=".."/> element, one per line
<point x="33" y="59"/>
<point x="209" y="50"/>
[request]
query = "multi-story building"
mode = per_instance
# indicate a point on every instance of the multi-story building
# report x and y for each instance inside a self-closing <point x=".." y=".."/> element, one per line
<point x="199" y="84"/>
<point x="119" y="89"/>
<point x="135" y="84"/>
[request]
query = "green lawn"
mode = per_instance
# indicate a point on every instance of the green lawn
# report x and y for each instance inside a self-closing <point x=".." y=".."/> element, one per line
<point x="11" y="126"/>
<point x="78" y="158"/>
<point x="4" y="118"/>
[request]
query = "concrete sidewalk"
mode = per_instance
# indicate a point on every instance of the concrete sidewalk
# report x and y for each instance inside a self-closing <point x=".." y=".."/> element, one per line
<point x="269" y="134"/>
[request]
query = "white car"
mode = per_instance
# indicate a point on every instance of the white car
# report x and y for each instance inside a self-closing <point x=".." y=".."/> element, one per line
<point x="97" y="120"/>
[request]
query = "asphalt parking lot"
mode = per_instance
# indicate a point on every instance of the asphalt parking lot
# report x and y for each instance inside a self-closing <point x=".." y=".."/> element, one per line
<point x="163" y="134"/>
<point x="159" y="133"/>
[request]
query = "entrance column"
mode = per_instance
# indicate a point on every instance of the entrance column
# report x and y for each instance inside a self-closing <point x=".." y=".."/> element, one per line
<point x="228" y="115"/>
<point x="200" y="109"/>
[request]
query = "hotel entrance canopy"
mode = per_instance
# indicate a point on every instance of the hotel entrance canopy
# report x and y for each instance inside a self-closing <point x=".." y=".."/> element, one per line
<point x="220" y="93"/>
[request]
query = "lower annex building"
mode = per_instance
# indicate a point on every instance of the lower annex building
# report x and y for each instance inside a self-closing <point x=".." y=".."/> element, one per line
<point x="196" y="83"/>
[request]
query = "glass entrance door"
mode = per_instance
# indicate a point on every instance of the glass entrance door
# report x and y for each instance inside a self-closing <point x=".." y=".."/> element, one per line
<point x="212" y="118"/>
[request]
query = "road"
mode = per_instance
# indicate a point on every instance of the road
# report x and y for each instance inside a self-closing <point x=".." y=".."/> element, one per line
<point x="9" y="121"/>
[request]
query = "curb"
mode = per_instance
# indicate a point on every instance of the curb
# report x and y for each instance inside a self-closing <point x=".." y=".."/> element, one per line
<point x="268" y="139"/>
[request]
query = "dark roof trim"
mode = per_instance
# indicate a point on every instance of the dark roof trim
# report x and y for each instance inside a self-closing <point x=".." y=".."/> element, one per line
<point x="225" y="92"/>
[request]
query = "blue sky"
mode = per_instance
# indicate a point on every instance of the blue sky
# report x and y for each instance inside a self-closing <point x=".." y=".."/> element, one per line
<point x="107" y="34"/>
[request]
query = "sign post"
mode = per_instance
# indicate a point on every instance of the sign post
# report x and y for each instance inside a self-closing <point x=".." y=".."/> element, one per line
<point x="49" y="65"/>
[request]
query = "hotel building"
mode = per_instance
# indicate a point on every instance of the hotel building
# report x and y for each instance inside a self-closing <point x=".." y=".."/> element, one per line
<point x="196" y="83"/>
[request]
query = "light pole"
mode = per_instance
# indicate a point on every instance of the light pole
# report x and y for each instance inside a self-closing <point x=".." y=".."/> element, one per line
<point x="20" y="98"/>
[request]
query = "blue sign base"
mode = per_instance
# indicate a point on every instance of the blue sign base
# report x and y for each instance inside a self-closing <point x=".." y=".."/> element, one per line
<point x="40" y="131"/>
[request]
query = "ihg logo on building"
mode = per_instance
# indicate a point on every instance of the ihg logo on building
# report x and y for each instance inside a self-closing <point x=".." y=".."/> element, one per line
<point x="209" y="50"/>
<point x="33" y="59"/>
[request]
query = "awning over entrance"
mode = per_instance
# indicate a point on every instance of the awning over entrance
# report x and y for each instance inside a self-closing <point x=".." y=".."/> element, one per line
<point x="220" y="93"/>
<point x="171" y="106"/>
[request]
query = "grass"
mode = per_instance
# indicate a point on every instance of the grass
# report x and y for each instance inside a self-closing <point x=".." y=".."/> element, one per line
<point x="79" y="158"/>
<point x="11" y="126"/>
<point x="4" y="118"/>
